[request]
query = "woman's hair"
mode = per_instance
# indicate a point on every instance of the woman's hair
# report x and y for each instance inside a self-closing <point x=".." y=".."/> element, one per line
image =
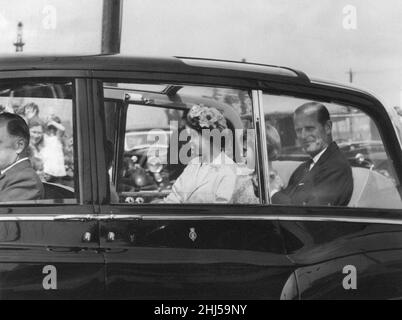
<point x="274" y="145"/>
<point x="201" y="117"/>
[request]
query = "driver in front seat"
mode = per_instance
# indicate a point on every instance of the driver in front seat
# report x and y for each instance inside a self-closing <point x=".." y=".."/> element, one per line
<point x="18" y="180"/>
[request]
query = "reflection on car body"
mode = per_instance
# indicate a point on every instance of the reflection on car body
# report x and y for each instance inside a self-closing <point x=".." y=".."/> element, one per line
<point x="104" y="230"/>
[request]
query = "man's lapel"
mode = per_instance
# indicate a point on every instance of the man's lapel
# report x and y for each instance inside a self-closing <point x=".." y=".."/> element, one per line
<point x="325" y="156"/>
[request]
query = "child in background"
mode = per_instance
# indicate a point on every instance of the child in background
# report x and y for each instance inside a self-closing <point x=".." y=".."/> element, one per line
<point x="52" y="152"/>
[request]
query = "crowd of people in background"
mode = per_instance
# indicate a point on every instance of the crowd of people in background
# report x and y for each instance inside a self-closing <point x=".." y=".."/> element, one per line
<point x="51" y="149"/>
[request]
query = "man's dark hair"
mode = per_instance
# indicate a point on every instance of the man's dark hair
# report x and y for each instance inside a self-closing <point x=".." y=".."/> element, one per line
<point x="16" y="126"/>
<point x="315" y="107"/>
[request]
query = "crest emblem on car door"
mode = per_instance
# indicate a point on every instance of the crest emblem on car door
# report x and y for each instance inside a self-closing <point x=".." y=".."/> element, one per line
<point x="192" y="235"/>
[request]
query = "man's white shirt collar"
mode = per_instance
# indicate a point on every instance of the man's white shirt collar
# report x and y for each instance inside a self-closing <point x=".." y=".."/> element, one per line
<point x="12" y="165"/>
<point x="316" y="158"/>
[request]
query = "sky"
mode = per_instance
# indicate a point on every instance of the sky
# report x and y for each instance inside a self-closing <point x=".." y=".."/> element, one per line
<point x="323" y="38"/>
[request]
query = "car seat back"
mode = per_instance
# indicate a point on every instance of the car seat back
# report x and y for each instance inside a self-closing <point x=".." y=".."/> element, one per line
<point x="370" y="188"/>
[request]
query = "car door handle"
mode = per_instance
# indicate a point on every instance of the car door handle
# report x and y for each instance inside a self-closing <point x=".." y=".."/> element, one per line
<point x="130" y="217"/>
<point x="92" y="217"/>
<point x="76" y="217"/>
<point x="119" y="217"/>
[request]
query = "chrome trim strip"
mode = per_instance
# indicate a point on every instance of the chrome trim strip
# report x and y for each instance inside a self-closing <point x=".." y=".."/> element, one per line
<point x="118" y="217"/>
<point x="264" y="149"/>
<point x="299" y="74"/>
<point x="261" y="154"/>
<point x="11" y="218"/>
<point x="256" y="123"/>
<point x="272" y="218"/>
<point x="69" y="218"/>
<point x="78" y="217"/>
<point x="261" y="141"/>
<point x="154" y="217"/>
<point x="60" y="202"/>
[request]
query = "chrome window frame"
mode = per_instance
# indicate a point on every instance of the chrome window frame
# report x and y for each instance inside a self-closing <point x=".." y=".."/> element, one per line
<point x="256" y="101"/>
<point x="77" y="142"/>
<point x="261" y="147"/>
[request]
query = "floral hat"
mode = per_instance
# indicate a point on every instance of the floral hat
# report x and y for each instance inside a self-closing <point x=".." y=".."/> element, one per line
<point x="203" y="117"/>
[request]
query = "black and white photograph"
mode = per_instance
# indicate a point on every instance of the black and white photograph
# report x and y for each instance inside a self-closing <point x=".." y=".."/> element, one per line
<point x="200" y="154"/>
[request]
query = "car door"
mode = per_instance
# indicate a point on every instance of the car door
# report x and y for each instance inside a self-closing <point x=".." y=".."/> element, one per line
<point x="352" y="251"/>
<point x="179" y="251"/>
<point x="49" y="248"/>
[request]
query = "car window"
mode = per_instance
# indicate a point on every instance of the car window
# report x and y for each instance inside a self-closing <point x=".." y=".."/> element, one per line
<point x="47" y="109"/>
<point x="180" y="144"/>
<point x="340" y="162"/>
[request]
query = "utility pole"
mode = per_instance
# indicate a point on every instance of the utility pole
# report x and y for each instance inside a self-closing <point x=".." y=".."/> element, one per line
<point x="111" y="26"/>
<point x="351" y="73"/>
<point x="19" y="44"/>
<point x="350" y="120"/>
<point x="242" y="96"/>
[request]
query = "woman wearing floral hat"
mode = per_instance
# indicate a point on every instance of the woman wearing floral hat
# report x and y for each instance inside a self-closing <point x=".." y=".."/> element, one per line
<point x="211" y="176"/>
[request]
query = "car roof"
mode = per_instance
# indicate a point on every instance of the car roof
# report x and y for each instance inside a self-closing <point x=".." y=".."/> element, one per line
<point x="343" y="85"/>
<point x="186" y="65"/>
<point x="256" y="72"/>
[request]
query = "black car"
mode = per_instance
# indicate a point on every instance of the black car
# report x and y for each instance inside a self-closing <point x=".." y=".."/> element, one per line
<point x="104" y="230"/>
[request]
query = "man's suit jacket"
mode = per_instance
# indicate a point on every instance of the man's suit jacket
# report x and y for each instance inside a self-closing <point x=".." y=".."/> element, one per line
<point x="20" y="183"/>
<point x="329" y="182"/>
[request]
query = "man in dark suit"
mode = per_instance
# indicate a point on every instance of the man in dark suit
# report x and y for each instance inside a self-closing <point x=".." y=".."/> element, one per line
<point x="326" y="178"/>
<point x="18" y="180"/>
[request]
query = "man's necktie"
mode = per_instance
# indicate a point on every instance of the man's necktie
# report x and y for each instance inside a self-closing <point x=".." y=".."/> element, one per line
<point x="307" y="165"/>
